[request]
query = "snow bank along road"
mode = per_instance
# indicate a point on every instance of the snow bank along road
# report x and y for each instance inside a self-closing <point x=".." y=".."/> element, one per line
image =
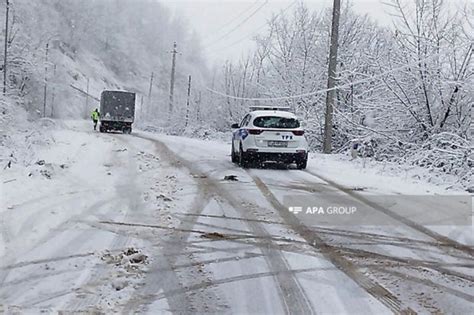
<point x="147" y="223"/>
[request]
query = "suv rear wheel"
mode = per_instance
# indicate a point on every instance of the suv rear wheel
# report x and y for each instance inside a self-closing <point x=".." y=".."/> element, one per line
<point x="301" y="164"/>
<point x="233" y="156"/>
<point x="243" y="159"/>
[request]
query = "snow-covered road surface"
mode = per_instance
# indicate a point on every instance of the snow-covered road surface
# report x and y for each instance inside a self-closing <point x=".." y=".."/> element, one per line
<point x="147" y="223"/>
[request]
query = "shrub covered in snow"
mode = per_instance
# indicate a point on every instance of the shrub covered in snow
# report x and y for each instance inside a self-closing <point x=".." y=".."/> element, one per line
<point x="19" y="135"/>
<point x="445" y="152"/>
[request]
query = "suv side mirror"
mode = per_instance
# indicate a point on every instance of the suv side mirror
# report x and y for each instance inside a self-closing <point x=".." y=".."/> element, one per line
<point x="235" y="126"/>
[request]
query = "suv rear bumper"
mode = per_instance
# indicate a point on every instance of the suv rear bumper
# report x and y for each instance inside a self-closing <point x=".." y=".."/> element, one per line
<point x="277" y="157"/>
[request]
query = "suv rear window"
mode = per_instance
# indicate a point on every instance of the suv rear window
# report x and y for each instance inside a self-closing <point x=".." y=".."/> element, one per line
<point x="276" y="122"/>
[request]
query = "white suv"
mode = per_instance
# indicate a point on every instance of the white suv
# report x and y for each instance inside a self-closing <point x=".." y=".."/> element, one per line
<point x="269" y="135"/>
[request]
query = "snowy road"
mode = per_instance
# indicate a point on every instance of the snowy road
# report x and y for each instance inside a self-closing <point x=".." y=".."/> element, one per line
<point x="147" y="223"/>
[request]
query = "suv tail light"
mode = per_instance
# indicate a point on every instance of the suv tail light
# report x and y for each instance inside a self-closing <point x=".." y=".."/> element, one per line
<point x="255" y="131"/>
<point x="298" y="132"/>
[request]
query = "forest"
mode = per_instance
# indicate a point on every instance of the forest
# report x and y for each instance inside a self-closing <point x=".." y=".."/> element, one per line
<point x="405" y="92"/>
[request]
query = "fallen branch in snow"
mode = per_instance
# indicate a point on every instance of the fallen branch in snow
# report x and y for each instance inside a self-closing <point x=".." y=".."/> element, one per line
<point x="9" y="181"/>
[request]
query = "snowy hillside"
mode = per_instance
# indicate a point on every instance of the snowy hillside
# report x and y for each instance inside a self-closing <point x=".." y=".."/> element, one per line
<point x="61" y="50"/>
<point x="69" y="42"/>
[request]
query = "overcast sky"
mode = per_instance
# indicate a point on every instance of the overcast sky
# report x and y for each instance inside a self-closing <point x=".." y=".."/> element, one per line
<point x="226" y="27"/>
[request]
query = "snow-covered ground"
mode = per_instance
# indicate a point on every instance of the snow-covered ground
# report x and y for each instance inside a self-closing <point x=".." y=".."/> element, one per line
<point x="385" y="177"/>
<point x="147" y="223"/>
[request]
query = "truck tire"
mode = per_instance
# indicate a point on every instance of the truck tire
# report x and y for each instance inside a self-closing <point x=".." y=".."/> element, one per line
<point x="101" y="128"/>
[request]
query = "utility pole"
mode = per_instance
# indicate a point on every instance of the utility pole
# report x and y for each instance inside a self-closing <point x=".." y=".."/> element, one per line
<point x="149" y="93"/>
<point x="54" y="93"/>
<point x="173" y="69"/>
<point x="141" y="107"/>
<point x="187" y="102"/>
<point x="327" y="146"/>
<point x="87" y="99"/>
<point x="198" y="108"/>
<point x="6" y="50"/>
<point x="45" y="78"/>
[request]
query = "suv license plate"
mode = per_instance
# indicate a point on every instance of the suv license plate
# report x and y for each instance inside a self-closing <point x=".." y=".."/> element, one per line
<point x="278" y="144"/>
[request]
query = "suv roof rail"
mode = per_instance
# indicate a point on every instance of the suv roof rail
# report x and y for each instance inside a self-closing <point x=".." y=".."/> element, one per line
<point x="263" y="107"/>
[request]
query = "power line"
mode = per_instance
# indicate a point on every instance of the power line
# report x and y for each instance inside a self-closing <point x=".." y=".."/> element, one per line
<point x="222" y="27"/>
<point x="254" y="32"/>
<point x="237" y="26"/>
<point x="281" y="98"/>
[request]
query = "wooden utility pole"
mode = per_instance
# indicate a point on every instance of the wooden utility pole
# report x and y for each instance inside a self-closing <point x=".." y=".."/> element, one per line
<point x="141" y="107"/>
<point x="149" y="93"/>
<point x="6" y="50"/>
<point x="327" y="146"/>
<point x="87" y="99"/>
<point x="54" y="92"/>
<point x="187" y="102"/>
<point x="45" y="78"/>
<point x="198" y="108"/>
<point x="173" y="69"/>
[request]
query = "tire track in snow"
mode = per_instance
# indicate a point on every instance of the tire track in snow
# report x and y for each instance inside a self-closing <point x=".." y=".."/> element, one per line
<point x="86" y="302"/>
<point x="291" y="293"/>
<point x="73" y="243"/>
<point x="331" y="253"/>
<point x="293" y="296"/>
<point x="162" y="274"/>
<point x="46" y="260"/>
<point x="37" y="268"/>
<point x="125" y="193"/>
<point x="5" y="239"/>
<point x="444" y="242"/>
<point x="167" y="281"/>
<point x="7" y="236"/>
<point x="443" y="278"/>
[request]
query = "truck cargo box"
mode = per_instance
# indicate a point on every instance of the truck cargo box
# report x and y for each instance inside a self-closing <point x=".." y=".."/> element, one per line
<point x="117" y="110"/>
